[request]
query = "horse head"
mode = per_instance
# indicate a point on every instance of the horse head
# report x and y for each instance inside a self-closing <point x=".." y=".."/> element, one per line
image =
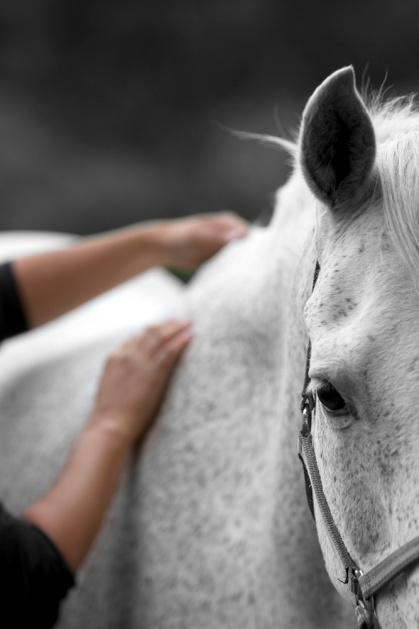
<point x="361" y="163"/>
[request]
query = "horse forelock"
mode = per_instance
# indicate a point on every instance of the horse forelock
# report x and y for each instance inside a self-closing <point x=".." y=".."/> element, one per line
<point x="396" y="126"/>
<point x="398" y="171"/>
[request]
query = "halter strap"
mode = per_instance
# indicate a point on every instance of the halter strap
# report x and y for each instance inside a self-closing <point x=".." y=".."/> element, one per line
<point x="364" y="587"/>
<point x="306" y="453"/>
<point x="388" y="568"/>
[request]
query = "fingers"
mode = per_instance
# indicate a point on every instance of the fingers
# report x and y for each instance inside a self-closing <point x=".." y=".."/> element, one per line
<point x="224" y="221"/>
<point x="169" y="353"/>
<point x="230" y="226"/>
<point x="157" y="339"/>
<point x="224" y="228"/>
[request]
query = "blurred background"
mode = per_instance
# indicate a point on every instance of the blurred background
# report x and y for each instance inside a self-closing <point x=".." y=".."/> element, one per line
<point x="115" y="111"/>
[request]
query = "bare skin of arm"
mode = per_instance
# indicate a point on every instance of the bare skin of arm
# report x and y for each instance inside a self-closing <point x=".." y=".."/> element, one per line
<point x="129" y="393"/>
<point x="55" y="282"/>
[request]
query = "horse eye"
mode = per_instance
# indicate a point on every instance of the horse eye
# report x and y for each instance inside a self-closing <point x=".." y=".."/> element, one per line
<point x="330" y="397"/>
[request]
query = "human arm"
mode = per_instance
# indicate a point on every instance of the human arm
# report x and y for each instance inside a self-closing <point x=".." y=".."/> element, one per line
<point x="53" y="283"/>
<point x="129" y="393"/>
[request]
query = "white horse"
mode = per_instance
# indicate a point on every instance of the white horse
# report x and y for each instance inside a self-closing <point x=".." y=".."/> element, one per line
<point x="210" y="528"/>
<point x="362" y="166"/>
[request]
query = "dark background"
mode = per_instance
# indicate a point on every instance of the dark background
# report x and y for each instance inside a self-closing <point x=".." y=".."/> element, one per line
<point x="115" y="111"/>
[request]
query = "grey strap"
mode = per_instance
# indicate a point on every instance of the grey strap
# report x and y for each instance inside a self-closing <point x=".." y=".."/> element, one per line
<point x="390" y="567"/>
<point x="309" y="459"/>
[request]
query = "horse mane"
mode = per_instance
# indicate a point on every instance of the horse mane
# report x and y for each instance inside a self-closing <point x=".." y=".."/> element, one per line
<point x="396" y="124"/>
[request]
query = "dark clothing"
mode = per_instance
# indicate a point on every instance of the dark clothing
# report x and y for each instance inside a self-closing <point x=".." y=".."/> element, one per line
<point x="12" y="316"/>
<point x="34" y="577"/>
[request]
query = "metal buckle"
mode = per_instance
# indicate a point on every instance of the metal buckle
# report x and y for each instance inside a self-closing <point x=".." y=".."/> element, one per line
<point x="365" y="614"/>
<point x="307" y="406"/>
<point x="352" y="579"/>
<point x="306" y="427"/>
<point x="364" y="608"/>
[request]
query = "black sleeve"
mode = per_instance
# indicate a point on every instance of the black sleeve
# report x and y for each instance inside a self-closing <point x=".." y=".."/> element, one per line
<point x="12" y="315"/>
<point x="34" y="577"/>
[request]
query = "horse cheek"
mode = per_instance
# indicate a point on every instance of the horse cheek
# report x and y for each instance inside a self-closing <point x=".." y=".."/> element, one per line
<point x="353" y="496"/>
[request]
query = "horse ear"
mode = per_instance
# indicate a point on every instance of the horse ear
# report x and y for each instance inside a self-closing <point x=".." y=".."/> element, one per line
<point x="337" y="141"/>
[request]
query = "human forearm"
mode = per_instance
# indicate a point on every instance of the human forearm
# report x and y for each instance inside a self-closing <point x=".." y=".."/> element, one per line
<point x="72" y="511"/>
<point x="55" y="282"/>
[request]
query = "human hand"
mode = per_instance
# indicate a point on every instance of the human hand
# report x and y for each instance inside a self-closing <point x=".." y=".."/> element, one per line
<point x="190" y="241"/>
<point x="135" y="378"/>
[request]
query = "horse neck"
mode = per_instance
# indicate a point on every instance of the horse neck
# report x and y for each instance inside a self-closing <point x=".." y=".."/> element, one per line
<point x="230" y="417"/>
<point x="293" y="226"/>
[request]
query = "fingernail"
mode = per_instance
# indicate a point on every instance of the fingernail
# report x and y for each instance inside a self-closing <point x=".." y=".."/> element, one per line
<point x="186" y="335"/>
<point x="234" y="234"/>
<point x="183" y="323"/>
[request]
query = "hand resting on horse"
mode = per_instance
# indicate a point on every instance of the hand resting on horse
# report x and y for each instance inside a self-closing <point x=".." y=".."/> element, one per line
<point x="55" y="282"/>
<point x="129" y="393"/>
<point x="40" y="551"/>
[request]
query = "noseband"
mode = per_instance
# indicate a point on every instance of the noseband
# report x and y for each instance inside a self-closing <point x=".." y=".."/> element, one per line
<point x="363" y="586"/>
